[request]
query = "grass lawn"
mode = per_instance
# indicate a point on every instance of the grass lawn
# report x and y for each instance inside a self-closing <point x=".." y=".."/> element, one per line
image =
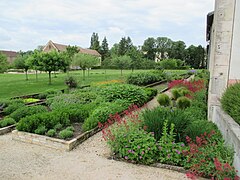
<point x="12" y="85"/>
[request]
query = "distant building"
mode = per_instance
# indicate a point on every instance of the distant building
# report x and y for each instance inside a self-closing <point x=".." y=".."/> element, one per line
<point x="11" y="55"/>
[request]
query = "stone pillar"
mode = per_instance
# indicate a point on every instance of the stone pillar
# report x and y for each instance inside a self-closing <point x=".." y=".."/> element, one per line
<point x="220" y="51"/>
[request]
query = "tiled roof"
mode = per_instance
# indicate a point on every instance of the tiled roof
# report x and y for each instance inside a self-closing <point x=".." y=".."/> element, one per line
<point x="9" y="53"/>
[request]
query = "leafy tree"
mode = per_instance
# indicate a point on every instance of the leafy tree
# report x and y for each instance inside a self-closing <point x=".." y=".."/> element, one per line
<point x="3" y="63"/>
<point x="135" y="56"/>
<point x="125" y="45"/>
<point x="84" y="61"/>
<point x="95" y="44"/>
<point x="114" y="50"/>
<point x="195" y="56"/>
<point x="52" y="61"/>
<point x="149" y="48"/>
<point x="163" y="46"/>
<point x="178" y="50"/>
<point x="121" y="62"/>
<point x="104" y="50"/>
<point x="34" y="60"/>
<point x="21" y="62"/>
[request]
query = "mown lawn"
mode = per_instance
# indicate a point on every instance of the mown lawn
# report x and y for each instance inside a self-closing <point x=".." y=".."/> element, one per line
<point x="12" y="85"/>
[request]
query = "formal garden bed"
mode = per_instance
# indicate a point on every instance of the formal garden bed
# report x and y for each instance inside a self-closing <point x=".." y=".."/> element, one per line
<point x="175" y="133"/>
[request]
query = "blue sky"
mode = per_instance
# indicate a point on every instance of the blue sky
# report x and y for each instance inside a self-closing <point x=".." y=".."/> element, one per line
<point x="25" y="24"/>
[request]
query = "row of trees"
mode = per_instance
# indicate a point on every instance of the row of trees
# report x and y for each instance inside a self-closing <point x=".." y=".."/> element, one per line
<point x="152" y="49"/>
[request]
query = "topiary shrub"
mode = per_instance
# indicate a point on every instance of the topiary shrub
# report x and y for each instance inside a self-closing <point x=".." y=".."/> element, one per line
<point x="7" y="121"/>
<point x="27" y="111"/>
<point x="176" y="93"/>
<point x="41" y="130"/>
<point x="164" y="100"/>
<point x="51" y="133"/>
<point x="231" y="101"/>
<point x="71" y="82"/>
<point x="64" y="134"/>
<point x="183" y="102"/>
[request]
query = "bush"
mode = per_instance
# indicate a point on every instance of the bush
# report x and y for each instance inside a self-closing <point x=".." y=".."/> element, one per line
<point x="41" y="130"/>
<point x="179" y="92"/>
<point x="134" y="94"/>
<point x="231" y="101"/>
<point x="144" y="78"/>
<point x="129" y="142"/>
<point x="51" y="133"/>
<point x="150" y="93"/>
<point x="153" y="121"/>
<point x="27" y="111"/>
<point x="7" y="121"/>
<point x="71" y="82"/>
<point x="49" y="93"/>
<point x="64" y="134"/>
<point x="47" y="119"/>
<point x="13" y="107"/>
<point x="183" y="102"/>
<point x="164" y="100"/>
<point x="101" y="114"/>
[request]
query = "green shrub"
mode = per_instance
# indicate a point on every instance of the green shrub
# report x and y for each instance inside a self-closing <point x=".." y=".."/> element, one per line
<point x="51" y="133"/>
<point x="150" y="93"/>
<point x="144" y="78"/>
<point x="101" y="114"/>
<point x="176" y="93"/>
<point x="153" y="121"/>
<point x="48" y="93"/>
<point x="47" y="119"/>
<point x="27" y="111"/>
<point x="58" y="127"/>
<point x="231" y="101"/>
<point x="71" y="82"/>
<point x="70" y="128"/>
<point x="164" y="100"/>
<point x="12" y="107"/>
<point x="183" y="102"/>
<point x="64" y="134"/>
<point x="134" y="94"/>
<point x="7" y="121"/>
<point x="171" y="64"/>
<point x="41" y="130"/>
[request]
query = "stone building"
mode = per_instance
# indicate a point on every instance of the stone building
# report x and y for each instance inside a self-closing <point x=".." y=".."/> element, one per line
<point x="11" y="55"/>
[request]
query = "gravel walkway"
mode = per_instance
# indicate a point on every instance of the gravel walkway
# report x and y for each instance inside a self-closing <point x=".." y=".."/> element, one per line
<point x="20" y="160"/>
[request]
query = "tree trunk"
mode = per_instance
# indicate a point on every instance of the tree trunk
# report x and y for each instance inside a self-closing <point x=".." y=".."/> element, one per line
<point x="84" y="74"/>
<point x="26" y="75"/>
<point x="49" y="76"/>
<point x="36" y="75"/>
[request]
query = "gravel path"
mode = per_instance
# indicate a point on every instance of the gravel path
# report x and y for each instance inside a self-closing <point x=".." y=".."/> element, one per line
<point x="20" y="160"/>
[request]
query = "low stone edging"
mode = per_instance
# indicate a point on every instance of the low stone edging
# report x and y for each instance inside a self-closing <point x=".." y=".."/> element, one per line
<point x="52" y="142"/>
<point x="230" y="131"/>
<point x="156" y="83"/>
<point x="7" y="129"/>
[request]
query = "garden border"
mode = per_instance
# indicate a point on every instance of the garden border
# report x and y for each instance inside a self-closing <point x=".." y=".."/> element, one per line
<point x="52" y="142"/>
<point x="7" y="129"/>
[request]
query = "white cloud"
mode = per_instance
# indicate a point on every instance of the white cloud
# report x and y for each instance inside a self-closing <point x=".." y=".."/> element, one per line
<point x="28" y="23"/>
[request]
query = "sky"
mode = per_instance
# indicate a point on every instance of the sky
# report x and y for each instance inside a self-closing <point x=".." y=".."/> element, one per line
<point x="26" y="24"/>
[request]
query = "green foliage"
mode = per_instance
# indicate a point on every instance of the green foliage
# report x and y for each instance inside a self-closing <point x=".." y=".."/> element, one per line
<point x="41" y="130"/>
<point x="7" y="121"/>
<point x="58" y="127"/>
<point x="121" y="62"/>
<point x="101" y="114"/>
<point x="27" y="111"/>
<point x="195" y="56"/>
<point x="104" y="49"/>
<point x="133" y="94"/>
<point x="21" y="63"/>
<point x="48" y="94"/>
<point x="70" y="128"/>
<point x="131" y="143"/>
<point x="30" y="100"/>
<point x="51" y="132"/>
<point x="71" y="82"/>
<point x="13" y="106"/>
<point x="95" y="44"/>
<point x="170" y="64"/>
<point x="150" y="93"/>
<point x="47" y="119"/>
<point x="164" y="100"/>
<point x="3" y="63"/>
<point x="183" y="102"/>
<point x="231" y="101"/>
<point x="66" y="133"/>
<point x="149" y="46"/>
<point x="145" y="78"/>
<point x="179" y="92"/>
<point x="169" y="151"/>
<point x="153" y="121"/>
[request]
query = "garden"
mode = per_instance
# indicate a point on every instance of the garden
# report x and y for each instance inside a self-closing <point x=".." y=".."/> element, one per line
<point x="176" y="132"/>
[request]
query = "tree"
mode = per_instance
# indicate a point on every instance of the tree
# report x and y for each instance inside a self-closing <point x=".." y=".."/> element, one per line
<point x="3" y="63"/>
<point x="149" y="48"/>
<point x="163" y="46"/>
<point x="21" y="62"/>
<point x="104" y="50"/>
<point x="135" y="56"/>
<point x="95" y="44"/>
<point x="121" y="62"/>
<point x="195" y="56"/>
<point x="84" y="61"/>
<point x="52" y="61"/>
<point x="34" y="60"/>
<point x="178" y="50"/>
<point x="124" y="46"/>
